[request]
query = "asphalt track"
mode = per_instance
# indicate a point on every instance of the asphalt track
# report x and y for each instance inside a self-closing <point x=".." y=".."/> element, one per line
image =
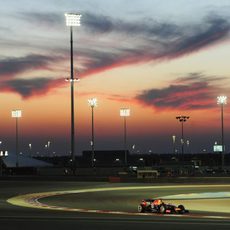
<point x="68" y="205"/>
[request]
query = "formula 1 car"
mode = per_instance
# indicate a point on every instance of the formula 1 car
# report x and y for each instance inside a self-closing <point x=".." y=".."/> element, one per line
<point x="158" y="206"/>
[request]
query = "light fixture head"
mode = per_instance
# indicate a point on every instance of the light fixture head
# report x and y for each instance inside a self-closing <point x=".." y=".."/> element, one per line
<point x="16" y="113"/>
<point x="124" y="112"/>
<point x="92" y="102"/>
<point x="72" y="80"/>
<point x="4" y="154"/>
<point x="73" y="19"/>
<point x="222" y="100"/>
<point x="182" y="118"/>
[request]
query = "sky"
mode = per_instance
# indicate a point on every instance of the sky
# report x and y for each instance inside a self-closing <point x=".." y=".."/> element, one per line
<point x="159" y="58"/>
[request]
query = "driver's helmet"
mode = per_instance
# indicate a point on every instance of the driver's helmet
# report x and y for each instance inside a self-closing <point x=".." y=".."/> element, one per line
<point x="157" y="202"/>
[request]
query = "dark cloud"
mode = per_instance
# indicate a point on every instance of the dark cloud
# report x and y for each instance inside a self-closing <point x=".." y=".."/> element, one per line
<point x="213" y="29"/>
<point x="157" y="30"/>
<point x="98" y="24"/>
<point x="31" y="87"/>
<point x="194" y="91"/>
<point x="125" y="43"/>
<point x="118" y="42"/>
<point x="50" y="20"/>
<point x="144" y="27"/>
<point x="148" y="40"/>
<point x="12" y="66"/>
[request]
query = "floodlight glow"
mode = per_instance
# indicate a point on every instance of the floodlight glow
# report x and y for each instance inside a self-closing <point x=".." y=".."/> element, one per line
<point x="72" y="80"/>
<point x="174" y="138"/>
<point x="73" y="19"/>
<point x="3" y="153"/>
<point x="16" y="113"/>
<point x="92" y="102"/>
<point x="124" y="112"/>
<point x="218" y="148"/>
<point x="222" y="100"/>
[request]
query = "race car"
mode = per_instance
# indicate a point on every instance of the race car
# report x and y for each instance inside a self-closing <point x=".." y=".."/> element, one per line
<point x="158" y="206"/>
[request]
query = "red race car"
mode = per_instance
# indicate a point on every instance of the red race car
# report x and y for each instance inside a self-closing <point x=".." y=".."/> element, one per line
<point x="158" y="206"/>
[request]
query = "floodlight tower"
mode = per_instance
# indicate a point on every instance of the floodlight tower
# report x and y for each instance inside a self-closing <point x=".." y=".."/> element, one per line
<point x="125" y="112"/>
<point x="2" y="154"/>
<point x="222" y="100"/>
<point x="174" y="142"/>
<point x="72" y="19"/>
<point x="30" y="147"/>
<point x="92" y="103"/>
<point x="16" y="114"/>
<point x="182" y="119"/>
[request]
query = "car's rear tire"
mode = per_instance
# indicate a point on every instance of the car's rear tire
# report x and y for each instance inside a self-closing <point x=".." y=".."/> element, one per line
<point x="140" y="209"/>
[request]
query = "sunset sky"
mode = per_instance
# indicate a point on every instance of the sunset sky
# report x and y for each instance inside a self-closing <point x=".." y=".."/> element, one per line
<point x="160" y="58"/>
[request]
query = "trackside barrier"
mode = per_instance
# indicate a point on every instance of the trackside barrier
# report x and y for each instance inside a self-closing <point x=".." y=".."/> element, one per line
<point x="114" y="179"/>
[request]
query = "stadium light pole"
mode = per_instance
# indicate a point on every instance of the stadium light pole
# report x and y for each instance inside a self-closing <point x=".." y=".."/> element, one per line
<point x="30" y="147"/>
<point x="72" y="19"/>
<point x="2" y="154"/>
<point x="16" y="114"/>
<point x="92" y="103"/>
<point x="182" y="119"/>
<point x="48" y="147"/>
<point x="222" y="100"/>
<point x="125" y="112"/>
<point x="174" y="142"/>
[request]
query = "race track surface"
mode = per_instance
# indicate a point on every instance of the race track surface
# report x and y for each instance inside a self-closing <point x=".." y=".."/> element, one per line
<point x="95" y="205"/>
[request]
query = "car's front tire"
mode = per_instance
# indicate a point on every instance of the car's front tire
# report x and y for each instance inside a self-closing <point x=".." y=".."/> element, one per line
<point x="182" y="209"/>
